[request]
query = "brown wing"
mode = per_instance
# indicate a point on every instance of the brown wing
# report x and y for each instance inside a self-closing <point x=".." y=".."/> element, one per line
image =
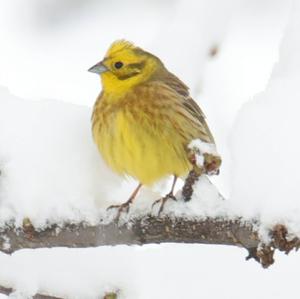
<point x="192" y="107"/>
<point x="196" y="111"/>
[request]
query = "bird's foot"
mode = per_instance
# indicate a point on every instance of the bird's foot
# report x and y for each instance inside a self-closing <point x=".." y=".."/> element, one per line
<point x="124" y="207"/>
<point x="163" y="201"/>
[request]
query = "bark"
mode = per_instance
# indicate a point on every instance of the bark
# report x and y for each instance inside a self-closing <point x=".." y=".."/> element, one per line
<point x="151" y="229"/>
<point x="144" y="230"/>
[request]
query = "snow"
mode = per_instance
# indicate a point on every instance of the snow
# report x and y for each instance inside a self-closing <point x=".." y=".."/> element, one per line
<point x="50" y="168"/>
<point x="151" y="271"/>
<point x="203" y="147"/>
<point x="61" y="40"/>
<point x="265" y="147"/>
<point x="241" y="70"/>
<point x="51" y="171"/>
<point x="206" y="201"/>
<point x="200" y="148"/>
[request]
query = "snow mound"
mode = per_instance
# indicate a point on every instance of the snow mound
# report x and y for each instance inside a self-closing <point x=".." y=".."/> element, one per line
<point x="50" y="168"/>
<point x="265" y="143"/>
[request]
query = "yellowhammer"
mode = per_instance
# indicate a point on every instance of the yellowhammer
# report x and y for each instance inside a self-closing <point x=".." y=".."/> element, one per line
<point x="144" y="119"/>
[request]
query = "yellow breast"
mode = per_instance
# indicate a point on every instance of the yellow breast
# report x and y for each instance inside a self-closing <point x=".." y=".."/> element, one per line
<point x="138" y="138"/>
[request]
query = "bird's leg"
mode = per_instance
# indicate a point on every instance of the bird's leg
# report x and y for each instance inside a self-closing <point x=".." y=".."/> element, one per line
<point x="164" y="199"/>
<point x="126" y="204"/>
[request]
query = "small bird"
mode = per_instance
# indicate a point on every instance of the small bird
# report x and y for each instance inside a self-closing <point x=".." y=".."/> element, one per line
<point x="144" y="119"/>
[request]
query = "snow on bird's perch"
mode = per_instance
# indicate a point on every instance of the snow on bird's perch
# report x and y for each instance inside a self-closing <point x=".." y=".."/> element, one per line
<point x="205" y="156"/>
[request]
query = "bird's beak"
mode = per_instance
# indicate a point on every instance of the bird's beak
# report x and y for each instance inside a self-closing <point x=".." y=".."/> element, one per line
<point x="98" y="68"/>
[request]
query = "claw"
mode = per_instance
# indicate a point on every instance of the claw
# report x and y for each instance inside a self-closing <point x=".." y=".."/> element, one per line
<point x="163" y="201"/>
<point x="124" y="207"/>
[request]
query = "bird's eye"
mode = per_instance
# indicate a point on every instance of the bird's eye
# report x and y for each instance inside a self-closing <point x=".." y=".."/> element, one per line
<point x="118" y="64"/>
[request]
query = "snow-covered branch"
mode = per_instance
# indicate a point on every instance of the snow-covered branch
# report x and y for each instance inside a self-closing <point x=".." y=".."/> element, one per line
<point x="151" y="229"/>
<point x="9" y="291"/>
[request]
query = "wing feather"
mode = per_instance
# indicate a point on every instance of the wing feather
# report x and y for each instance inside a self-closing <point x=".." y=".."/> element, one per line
<point x="189" y="104"/>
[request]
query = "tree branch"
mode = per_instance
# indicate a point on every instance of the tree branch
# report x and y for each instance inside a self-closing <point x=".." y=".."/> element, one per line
<point x="144" y="230"/>
<point x="8" y="291"/>
<point x="150" y="229"/>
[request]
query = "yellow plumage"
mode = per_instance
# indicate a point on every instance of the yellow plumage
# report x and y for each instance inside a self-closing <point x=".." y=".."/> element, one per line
<point x="144" y="118"/>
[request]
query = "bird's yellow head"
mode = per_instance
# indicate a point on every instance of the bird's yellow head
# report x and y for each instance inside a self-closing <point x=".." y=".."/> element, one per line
<point x="125" y="66"/>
